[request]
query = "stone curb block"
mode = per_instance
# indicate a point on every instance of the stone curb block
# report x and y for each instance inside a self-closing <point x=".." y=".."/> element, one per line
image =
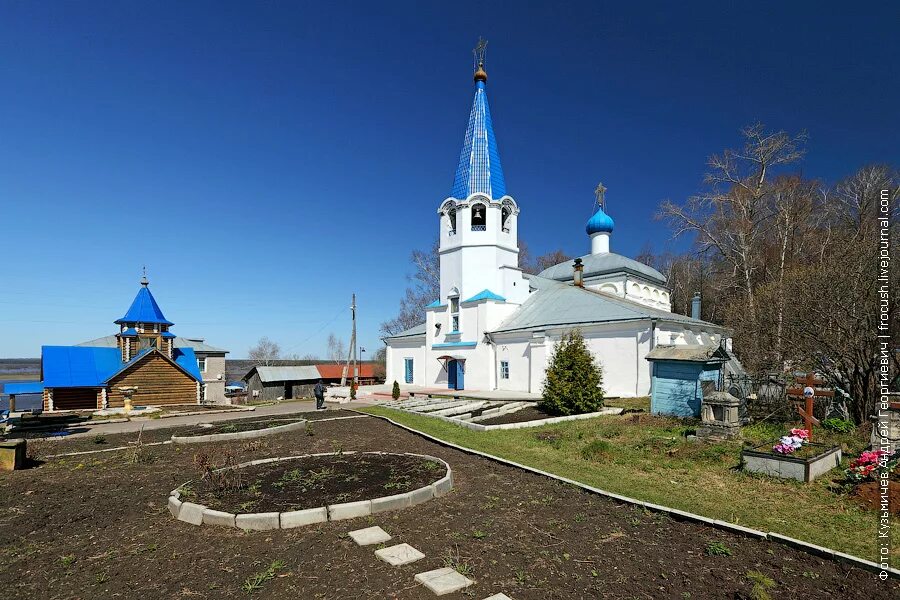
<point x="800" y="545"/>
<point x="191" y="513"/>
<point x="386" y="503"/>
<point x="202" y="515"/>
<point x="217" y="517"/>
<point x="258" y="521"/>
<point x="299" y="518"/>
<point x="421" y="495"/>
<point x="349" y="510"/>
<point x="238" y="435"/>
<point x="174" y="506"/>
<point x="442" y="486"/>
<point x="740" y="529"/>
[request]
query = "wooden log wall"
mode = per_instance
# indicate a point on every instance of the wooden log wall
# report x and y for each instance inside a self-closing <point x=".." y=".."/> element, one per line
<point x="74" y="399"/>
<point x="159" y="382"/>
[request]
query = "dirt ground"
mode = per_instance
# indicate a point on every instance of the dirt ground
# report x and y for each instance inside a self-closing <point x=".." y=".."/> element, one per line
<point x="96" y="526"/>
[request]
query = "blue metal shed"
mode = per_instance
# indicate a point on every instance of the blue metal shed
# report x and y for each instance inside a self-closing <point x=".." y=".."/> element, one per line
<point x="678" y="375"/>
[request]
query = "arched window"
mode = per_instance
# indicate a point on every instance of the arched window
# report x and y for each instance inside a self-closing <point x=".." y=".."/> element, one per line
<point x="479" y="217"/>
<point x="505" y="211"/>
<point x="451" y="216"/>
<point x="449" y="209"/>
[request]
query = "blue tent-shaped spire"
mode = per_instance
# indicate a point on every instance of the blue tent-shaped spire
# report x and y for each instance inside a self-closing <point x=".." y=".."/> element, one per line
<point x="479" y="169"/>
<point x="144" y="309"/>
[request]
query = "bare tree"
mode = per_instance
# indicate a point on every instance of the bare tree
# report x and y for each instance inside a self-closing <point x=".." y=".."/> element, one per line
<point x="731" y="216"/>
<point x="834" y="319"/>
<point x="544" y="261"/>
<point x="336" y="348"/>
<point x="265" y="352"/>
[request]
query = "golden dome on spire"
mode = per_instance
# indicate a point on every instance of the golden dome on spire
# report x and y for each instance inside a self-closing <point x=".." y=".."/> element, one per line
<point x="481" y="74"/>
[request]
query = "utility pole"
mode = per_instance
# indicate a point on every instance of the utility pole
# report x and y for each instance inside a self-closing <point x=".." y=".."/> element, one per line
<point x="353" y="345"/>
<point x="351" y="354"/>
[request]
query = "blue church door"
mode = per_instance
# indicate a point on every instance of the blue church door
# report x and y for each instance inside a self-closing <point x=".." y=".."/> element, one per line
<point x="456" y="374"/>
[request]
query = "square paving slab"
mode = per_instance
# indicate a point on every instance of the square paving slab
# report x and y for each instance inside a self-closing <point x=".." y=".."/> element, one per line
<point x="443" y="581"/>
<point x="401" y="554"/>
<point x="369" y="536"/>
<point x="498" y="597"/>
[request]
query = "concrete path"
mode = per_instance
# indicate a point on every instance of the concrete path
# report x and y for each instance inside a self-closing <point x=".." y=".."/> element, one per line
<point x="282" y="408"/>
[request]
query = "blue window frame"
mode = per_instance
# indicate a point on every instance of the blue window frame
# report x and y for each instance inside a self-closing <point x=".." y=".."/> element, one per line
<point x="408" y="369"/>
<point x="504" y="369"/>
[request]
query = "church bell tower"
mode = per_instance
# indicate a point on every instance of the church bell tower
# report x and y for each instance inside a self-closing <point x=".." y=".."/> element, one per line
<point x="478" y="230"/>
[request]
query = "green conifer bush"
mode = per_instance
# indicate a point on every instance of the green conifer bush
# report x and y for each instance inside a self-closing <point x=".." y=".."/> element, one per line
<point x="574" y="380"/>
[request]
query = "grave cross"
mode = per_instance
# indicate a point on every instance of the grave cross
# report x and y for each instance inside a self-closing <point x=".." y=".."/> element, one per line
<point x="809" y="392"/>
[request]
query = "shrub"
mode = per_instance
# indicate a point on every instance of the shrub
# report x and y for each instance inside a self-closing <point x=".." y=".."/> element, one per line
<point x="395" y="391"/>
<point x="573" y="379"/>
<point x="838" y="425"/>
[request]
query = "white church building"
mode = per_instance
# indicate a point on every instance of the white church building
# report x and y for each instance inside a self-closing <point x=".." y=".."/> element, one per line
<point x="494" y="327"/>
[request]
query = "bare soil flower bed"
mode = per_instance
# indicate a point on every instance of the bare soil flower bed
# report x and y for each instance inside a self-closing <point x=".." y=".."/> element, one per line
<point x="235" y="426"/>
<point x="96" y="527"/>
<point x="529" y="413"/>
<point x="315" y="481"/>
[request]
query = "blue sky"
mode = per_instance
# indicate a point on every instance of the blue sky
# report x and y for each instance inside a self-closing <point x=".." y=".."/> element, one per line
<point x="266" y="160"/>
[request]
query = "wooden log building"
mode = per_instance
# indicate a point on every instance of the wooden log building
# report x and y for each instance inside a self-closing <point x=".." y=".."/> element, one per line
<point x="144" y="357"/>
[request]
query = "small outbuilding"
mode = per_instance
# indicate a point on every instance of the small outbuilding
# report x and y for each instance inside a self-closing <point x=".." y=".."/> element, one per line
<point x="289" y="382"/>
<point x="678" y="374"/>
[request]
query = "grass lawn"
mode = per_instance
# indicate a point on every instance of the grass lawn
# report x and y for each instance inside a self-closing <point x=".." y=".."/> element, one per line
<point x="652" y="460"/>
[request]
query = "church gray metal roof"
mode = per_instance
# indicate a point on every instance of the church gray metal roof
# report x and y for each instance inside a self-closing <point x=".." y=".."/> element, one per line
<point x="411" y="332"/>
<point x="603" y="264"/>
<point x="556" y="304"/>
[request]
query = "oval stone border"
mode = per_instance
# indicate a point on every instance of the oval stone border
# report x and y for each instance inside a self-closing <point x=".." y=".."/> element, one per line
<point x="239" y="435"/>
<point x="197" y="514"/>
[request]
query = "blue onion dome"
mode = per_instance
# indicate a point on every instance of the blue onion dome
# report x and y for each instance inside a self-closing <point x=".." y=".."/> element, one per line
<point x="600" y="223"/>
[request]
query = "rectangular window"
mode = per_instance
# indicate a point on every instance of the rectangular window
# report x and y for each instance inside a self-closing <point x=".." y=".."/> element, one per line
<point x="504" y="369"/>
<point x="454" y="314"/>
<point x="408" y="370"/>
<point x="201" y="362"/>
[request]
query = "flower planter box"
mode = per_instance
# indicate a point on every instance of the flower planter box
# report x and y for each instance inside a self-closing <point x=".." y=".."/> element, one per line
<point x="762" y="460"/>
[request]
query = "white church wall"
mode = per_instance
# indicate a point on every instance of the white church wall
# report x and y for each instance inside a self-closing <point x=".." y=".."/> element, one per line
<point x="517" y="353"/>
<point x="515" y="286"/>
<point x="395" y="365"/>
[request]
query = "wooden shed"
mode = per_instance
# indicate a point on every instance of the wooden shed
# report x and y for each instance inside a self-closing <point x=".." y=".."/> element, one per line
<point x="280" y="383"/>
<point x="678" y="373"/>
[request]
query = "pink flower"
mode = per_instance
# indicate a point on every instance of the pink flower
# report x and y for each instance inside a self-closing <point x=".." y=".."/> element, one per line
<point x="800" y="433"/>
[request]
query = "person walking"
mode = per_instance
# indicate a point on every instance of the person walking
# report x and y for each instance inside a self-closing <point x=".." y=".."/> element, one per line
<point x="319" y="393"/>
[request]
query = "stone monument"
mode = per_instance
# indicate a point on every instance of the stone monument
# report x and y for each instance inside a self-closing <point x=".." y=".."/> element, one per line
<point x="720" y="416"/>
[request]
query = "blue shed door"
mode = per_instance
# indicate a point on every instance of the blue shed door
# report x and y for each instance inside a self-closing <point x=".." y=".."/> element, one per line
<point x="676" y="389"/>
<point x="408" y="368"/>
